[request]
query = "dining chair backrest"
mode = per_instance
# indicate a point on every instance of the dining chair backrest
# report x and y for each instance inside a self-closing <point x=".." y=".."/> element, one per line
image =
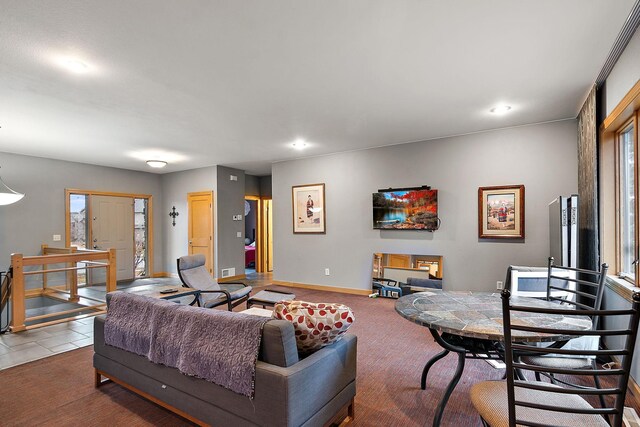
<point x="577" y="287"/>
<point x="586" y="292"/>
<point x="532" y="282"/>
<point x="616" y="378"/>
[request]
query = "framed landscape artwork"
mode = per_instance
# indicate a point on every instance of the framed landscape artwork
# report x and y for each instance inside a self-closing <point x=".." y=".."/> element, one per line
<point x="501" y="212"/>
<point x="309" y="215"/>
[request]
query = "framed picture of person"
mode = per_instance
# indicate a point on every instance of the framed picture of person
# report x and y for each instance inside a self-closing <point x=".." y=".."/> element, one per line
<point x="501" y="212"/>
<point x="309" y="214"/>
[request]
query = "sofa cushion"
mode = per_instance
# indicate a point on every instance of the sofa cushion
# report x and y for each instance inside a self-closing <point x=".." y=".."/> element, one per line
<point x="316" y="324"/>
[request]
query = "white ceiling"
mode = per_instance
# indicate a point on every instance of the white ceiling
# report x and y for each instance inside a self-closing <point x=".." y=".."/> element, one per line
<point x="234" y="82"/>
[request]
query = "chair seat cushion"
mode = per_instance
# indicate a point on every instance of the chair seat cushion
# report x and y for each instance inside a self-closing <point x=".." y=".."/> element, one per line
<point x="490" y="400"/>
<point x="235" y="291"/>
<point x="558" y="362"/>
<point x="316" y="325"/>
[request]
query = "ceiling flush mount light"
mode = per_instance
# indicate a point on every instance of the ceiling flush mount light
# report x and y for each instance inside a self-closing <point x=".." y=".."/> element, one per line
<point x="157" y="163"/>
<point x="7" y="195"/>
<point x="500" y="109"/>
<point x="299" y="144"/>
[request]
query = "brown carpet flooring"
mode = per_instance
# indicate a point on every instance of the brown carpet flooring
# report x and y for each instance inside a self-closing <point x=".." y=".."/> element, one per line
<point x="58" y="391"/>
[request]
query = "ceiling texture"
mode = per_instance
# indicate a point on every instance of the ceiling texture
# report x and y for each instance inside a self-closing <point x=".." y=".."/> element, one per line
<point x="235" y="82"/>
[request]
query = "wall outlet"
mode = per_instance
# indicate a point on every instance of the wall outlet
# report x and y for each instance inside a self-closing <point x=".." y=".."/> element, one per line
<point x="57" y="237"/>
<point x="499" y="285"/>
<point x="239" y="234"/>
<point x="327" y="272"/>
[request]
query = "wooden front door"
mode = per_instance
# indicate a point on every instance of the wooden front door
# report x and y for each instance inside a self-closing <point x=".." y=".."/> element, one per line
<point x="201" y="226"/>
<point x="112" y="227"/>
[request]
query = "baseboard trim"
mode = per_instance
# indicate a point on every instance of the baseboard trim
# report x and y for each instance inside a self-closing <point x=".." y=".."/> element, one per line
<point x="232" y="278"/>
<point x="635" y="390"/>
<point x="632" y="386"/>
<point x="351" y="291"/>
<point x="165" y="274"/>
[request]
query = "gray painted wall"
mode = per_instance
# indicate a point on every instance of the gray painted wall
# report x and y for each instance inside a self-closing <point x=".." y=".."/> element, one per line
<point x="622" y="78"/>
<point x="624" y="75"/>
<point x="251" y="185"/>
<point x="265" y="186"/>
<point x="542" y="157"/>
<point x="25" y="225"/>
<point x="175" y="187"/>
<point x="258" y="186"/>
<point x="230" y="202"/>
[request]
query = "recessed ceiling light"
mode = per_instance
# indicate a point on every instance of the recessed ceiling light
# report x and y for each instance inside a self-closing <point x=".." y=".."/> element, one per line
<point x="500" y="109"/>
<point x="157" y="163"/>
<point x="299" y="144"/>
<point x="75" y="66"/>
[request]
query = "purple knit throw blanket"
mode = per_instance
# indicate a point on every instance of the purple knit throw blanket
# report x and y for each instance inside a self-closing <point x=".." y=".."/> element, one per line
<point x="218" y="346"/>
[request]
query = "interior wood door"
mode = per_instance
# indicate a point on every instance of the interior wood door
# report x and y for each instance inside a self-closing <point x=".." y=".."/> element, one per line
<point x="201" y="226"/>
<point x="398" y="260"/>
<point x="112" y="227"/>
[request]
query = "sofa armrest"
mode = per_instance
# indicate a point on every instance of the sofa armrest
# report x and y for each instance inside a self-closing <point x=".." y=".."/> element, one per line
<point x="305" y="387"/>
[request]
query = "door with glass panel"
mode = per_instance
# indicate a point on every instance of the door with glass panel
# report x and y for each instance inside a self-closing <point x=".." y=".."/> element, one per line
<point x="99" y="220"/>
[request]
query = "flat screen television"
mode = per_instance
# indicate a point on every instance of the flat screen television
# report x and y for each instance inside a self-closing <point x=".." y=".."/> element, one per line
<point x="406" y="210"/>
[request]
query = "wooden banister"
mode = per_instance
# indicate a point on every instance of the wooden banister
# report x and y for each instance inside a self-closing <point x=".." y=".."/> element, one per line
<point x="70" y="257"/>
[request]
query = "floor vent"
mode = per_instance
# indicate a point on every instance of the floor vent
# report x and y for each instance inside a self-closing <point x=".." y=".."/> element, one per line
<point x="228" y="272"/>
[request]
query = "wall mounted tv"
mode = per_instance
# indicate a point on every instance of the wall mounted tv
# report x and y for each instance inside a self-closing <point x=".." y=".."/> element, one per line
<point x="406" y="209"/>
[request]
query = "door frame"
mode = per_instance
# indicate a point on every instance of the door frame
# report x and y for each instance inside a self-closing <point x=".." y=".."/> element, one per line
<point x="89" y="237"/>
<point x="261" y="233"/>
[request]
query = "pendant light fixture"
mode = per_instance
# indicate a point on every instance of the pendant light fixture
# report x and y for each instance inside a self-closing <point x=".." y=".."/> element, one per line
<point x="7" y="195"/>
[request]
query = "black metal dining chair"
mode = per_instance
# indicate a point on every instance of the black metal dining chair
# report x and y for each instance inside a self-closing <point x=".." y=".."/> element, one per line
<point x="582" y="289"/>
<point x="534" y="403"/>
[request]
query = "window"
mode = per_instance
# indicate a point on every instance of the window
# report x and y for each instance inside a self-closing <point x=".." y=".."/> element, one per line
<point x="627" y="203"/>
<point x="78" y="220"/>
<point x="619" y="187"/>
<point x="78" y="228"/>
<point x="140" y="237"/>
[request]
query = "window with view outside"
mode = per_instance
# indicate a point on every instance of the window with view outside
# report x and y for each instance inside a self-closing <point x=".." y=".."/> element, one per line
<point x="140" y="238"/>
<point x="627" y="204"/>
<point x="78" y="228"/>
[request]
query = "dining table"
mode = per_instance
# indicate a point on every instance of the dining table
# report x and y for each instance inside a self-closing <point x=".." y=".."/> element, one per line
<point x="469" y="323"/>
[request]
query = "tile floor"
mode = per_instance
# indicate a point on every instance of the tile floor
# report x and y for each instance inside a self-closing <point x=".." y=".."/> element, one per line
<point x="35" y="344"/>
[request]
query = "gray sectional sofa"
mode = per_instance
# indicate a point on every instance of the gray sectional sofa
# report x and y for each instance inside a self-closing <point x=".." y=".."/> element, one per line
<point x="314" y="391"/>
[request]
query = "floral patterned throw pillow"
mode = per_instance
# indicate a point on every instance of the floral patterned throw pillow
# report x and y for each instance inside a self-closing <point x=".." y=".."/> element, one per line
<point x="316" y="324"/>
